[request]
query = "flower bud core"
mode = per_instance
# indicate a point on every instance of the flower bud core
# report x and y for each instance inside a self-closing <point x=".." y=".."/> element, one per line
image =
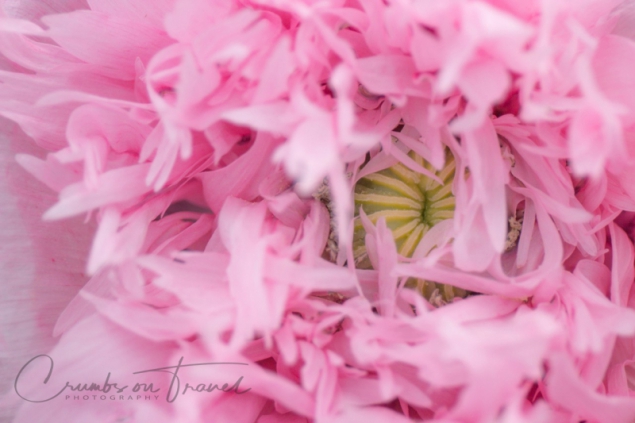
<point x="411" y="204"/>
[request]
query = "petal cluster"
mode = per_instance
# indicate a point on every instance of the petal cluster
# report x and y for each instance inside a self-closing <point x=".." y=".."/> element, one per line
<point x="214" y="151"/>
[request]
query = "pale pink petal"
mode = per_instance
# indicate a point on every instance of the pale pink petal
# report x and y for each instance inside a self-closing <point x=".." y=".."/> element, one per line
<point x="565" y="389"/>
<point x="108" y="32"/>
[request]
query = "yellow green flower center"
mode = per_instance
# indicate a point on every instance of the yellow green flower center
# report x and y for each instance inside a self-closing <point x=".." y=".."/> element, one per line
<point x="411" y="203"/>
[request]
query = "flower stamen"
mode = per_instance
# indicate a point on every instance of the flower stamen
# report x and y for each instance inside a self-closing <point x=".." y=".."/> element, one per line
<point x="411" y="204"/>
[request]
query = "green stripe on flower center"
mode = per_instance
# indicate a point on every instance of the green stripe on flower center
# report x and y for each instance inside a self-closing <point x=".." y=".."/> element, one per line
<point x="411" y="203"/>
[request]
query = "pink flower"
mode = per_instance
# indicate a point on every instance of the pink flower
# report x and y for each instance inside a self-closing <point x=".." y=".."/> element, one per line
<point x="377" y="211"/>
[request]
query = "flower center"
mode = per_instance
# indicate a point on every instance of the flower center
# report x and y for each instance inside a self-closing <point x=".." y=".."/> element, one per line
<point x="411" y="203"/>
